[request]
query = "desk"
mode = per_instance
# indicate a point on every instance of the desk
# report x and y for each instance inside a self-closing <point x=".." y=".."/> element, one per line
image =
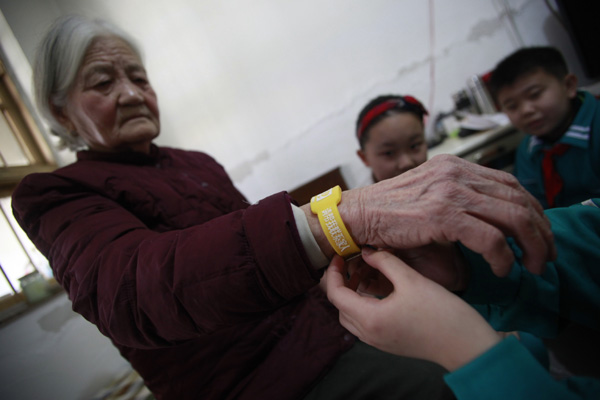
<point x="494" y="148"/>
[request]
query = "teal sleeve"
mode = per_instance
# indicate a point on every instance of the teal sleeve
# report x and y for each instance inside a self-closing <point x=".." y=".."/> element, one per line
<point x="528" y="171"/>
<point x="519" y="302"/>
<point x="595" y="138"/>
<point x="509" y="371"/>
<point x="568" y="289"/>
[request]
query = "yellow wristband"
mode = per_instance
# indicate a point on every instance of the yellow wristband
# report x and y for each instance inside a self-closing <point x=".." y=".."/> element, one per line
<point x="325" y="206"/>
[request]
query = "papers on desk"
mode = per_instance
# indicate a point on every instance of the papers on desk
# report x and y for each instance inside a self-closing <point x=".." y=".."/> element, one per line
<point x="473" y="123"/>
<point x="483" y="122"/>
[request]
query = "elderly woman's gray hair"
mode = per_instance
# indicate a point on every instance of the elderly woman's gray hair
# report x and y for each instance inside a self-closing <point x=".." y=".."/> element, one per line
<point x="57" y="63"/>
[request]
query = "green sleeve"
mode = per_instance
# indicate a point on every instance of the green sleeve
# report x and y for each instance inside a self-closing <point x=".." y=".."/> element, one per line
<point x="509" y="371"/>
<point x="568" y="289"/>
<point x="527" y="170"/>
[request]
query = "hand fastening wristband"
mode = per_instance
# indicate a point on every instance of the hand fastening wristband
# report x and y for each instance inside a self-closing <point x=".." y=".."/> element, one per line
<point x="325" y="206"/>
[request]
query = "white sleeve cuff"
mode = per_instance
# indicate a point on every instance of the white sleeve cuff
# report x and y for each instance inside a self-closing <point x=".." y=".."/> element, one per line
<point x="315" y="255"/>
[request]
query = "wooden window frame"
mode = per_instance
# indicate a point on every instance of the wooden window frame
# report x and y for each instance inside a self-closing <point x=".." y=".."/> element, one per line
<point x="27" y="134"/>
<point x="40" y="157"/>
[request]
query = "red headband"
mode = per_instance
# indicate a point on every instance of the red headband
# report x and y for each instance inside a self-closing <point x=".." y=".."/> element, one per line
<point x="406" y="103"/>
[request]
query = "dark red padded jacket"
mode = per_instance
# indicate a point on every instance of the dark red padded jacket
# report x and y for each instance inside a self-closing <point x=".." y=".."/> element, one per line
<point x="207" y="296"/>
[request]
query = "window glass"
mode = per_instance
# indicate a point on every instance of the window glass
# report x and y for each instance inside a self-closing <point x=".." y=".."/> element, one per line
<point x="18" y="256"/>
<point x="12" y="154"/>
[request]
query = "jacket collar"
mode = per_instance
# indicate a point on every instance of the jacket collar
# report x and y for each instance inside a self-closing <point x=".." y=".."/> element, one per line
<point x="578" y="133"/>
<point x="124" y="157"/>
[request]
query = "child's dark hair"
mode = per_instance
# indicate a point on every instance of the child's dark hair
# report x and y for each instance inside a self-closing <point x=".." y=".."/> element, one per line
<point x="524" y="61"/>
<point x="380" y="108"/>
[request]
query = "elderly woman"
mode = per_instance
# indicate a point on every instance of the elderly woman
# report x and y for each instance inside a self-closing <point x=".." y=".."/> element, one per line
<point x="206" y="295"/>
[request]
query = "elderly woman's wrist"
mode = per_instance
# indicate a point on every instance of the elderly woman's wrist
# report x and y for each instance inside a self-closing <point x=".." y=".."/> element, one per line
<point x="313" y="251"/>
<point x="350" y="213"/>
<point x="317" y="232"/>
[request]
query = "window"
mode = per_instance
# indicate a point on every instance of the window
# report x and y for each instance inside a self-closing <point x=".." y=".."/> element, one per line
<point x="22" y="151"/>
<point x="18" y="256"/>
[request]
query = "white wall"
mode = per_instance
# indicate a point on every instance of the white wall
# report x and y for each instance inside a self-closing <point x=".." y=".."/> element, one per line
<point x="272" y="89"/>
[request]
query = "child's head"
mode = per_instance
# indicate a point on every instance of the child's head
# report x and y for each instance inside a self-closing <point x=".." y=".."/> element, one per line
<point x="391" y="134"/>
<point x="535" y="89"/>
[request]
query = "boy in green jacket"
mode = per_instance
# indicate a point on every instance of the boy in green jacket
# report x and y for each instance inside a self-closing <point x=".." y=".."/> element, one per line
<point x="559" y="161"/>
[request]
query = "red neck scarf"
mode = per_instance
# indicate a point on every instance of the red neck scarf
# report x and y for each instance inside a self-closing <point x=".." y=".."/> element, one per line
<point x="553" y="183"/>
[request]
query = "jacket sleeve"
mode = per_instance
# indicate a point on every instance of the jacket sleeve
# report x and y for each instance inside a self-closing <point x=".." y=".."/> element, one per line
<point x="569" y="289"/>
<point x="594" y="142"/>
<point x="146" y="289"/>
<point x="528" y="172"/>
<point x="509" y="371"/>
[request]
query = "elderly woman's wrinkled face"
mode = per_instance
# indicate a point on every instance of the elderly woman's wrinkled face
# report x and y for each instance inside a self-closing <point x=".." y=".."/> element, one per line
<point x="112" y="105"/>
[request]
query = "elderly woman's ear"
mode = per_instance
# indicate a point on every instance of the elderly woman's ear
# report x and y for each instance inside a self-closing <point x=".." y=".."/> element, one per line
<point x="61" y="118"/>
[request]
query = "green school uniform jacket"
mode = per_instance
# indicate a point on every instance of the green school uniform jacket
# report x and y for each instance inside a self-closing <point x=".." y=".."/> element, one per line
<point x="569" y="289"/>
<point x="579" y="167"/>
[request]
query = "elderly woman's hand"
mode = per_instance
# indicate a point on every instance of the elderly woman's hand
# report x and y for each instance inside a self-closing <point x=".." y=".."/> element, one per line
<point x="419" y="318"/>
<point x="442" y="263"/>
<point x="448" y="199"/>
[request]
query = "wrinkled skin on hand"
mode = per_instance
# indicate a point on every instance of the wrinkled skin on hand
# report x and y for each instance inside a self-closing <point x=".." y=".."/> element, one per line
<point x="418" y="318"/>
<point x="443" y="263"/>
<point x="448" y="199"/>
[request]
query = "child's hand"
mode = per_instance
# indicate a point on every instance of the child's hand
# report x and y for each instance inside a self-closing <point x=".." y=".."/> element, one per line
<point x="365" y="279"/>
<point x="419" y="318"/>
<point x="443" y="263"/>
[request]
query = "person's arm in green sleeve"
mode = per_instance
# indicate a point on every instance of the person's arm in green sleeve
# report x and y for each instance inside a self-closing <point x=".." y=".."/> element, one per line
<point x="569" y="288"/>
<point x="420" y="317"/>
<point x="509" y="371"/>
